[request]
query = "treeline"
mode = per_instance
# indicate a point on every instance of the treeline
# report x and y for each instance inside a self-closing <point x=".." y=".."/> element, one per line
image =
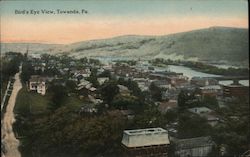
<point x="215" y="70"/>
<point x="9" y="66"/>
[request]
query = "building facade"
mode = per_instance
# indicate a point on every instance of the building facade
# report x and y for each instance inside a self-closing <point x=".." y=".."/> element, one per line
<point x="38" y="84"/>
<point x="152" y="142"/>
<point x="193" y="147"/>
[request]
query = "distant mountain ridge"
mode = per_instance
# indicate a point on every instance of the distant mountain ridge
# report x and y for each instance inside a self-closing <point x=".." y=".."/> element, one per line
<point x="214" y="44"/>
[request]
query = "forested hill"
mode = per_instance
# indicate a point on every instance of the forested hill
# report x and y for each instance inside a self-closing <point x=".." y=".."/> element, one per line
<point x="215" y="44"/>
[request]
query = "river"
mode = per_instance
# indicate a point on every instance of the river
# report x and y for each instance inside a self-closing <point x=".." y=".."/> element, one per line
<point x="185" y="70"/>
<point x="193" y="73"/>
<point x="179" y="69"/>
<point x="9" y="141"/>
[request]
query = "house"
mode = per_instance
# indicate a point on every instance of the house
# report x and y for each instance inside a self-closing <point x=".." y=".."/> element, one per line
<point x="143" y="83"/>
<point x="171" y="94"/>
<point x="124" y="70"/>
<point x="162" y="84"/>
<point x="235" y="90"/>
<point x="101" y="80"/>
<point x="80" y="74"/>
<point x="145" y="142"/>
<point x="177" y="80"/>
<point x="157" y="76"/>
<point x="193" y="147"/>
<point x="85" y="88"/>
<point x="203" y="81"/>
<point x="38" y="84"/>
<point x="124" y="90"/>
<point x="83" y="84"/>
<point x="40" y="67"/>
<point x="211" y="90"/>
<point x="129" y="114"/>
<point x="210" y="115"/>
<point x="165" y="106"/>
<point x="88" y="109"/>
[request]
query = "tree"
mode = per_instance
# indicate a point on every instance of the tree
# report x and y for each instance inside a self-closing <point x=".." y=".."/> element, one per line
<point x="171" y="116"/>
<point x="58" y="96"/>
<point x="62" y="134"/>
<point x="93" y="77"/>
<point x="71" y="85"/>
<point x="132" y="86"/>
<point x="183" y="99"/>
<point x="128" y="102"/>
<point x="150" y="117"/>
<point x="190" y="125"/>
<point x="234" y="132"/>
<point x="109" y="90"/>
<point x="27" y="71"/>
<point x="210" y="102"/>
<point x="155" y="92"/>
<point x="10" y="64"/>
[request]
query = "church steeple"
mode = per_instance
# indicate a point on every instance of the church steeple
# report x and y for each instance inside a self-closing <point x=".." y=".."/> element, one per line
<point x="27" y="51"/>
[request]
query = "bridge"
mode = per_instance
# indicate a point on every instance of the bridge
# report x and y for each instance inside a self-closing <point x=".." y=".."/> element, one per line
<point x="222" y="78"/>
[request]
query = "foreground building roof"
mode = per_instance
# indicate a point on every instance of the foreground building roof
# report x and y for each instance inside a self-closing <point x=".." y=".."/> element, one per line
<point x="145" y="137"/>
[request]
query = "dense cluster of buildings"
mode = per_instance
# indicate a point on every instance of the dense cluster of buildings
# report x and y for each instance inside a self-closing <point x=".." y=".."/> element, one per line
<point x="150" y="141"/>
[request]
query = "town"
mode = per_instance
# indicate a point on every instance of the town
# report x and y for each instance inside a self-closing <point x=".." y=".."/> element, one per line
<point x="94" y="107"/>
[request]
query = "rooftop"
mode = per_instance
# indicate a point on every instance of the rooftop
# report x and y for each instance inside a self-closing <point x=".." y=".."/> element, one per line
<point x="200" y="110"/>
<point x="145" y="137"/>
<point x="215" y="87"/>
<point x="37" y="78"/>
<point x="194" y="142"/>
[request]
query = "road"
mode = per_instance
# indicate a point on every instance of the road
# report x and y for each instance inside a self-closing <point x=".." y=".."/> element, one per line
<point x="9" y="141"/>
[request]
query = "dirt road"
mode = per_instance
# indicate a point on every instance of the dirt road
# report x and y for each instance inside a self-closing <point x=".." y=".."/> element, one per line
<point x="9" y="141"/>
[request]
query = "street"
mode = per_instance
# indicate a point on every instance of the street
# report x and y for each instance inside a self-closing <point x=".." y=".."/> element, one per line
<point x="9" y="141"/>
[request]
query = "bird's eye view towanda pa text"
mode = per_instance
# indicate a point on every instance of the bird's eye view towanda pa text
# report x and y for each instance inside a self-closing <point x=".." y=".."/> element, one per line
<point x="123" y="78"/>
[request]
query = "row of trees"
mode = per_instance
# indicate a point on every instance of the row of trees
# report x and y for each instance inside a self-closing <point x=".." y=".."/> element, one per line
<point x="10" y="64"/>
<point x="64" y="134"/>
<point x="9" y="67"/>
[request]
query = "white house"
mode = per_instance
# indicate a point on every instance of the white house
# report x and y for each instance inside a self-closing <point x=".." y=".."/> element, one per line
<point x="101" y="80"/>
<point x="38" y="84"/>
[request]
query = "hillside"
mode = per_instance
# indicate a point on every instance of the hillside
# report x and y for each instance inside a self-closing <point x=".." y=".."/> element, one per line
<point x="215" y="44"/>
<point x="32" y="47"/>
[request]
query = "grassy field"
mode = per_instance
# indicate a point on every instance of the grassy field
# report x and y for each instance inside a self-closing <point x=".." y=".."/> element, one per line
<point x="73" y="102"/>
<point x="31" y="102"/>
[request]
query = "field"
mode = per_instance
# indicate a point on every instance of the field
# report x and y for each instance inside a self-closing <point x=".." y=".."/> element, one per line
<point x="31" y="102"/>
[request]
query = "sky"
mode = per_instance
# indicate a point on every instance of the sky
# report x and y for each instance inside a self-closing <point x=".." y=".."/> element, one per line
<point x="110" y="18"/>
